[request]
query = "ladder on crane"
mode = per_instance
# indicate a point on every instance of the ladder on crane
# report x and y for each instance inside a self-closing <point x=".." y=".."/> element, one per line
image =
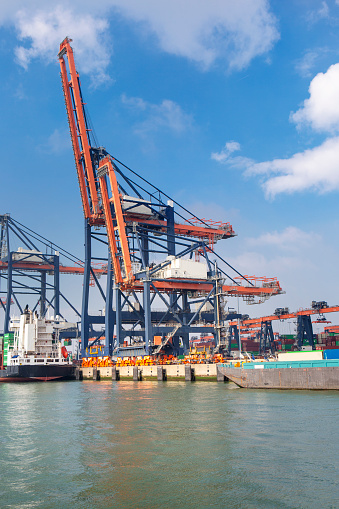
<point x="168" y="337"/>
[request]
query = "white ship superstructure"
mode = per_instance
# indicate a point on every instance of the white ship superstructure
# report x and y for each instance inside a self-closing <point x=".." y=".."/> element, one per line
<point x="36" y="341"/>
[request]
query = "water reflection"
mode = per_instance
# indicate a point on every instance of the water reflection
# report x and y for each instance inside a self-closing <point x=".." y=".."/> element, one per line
<point x="174" y="444"/>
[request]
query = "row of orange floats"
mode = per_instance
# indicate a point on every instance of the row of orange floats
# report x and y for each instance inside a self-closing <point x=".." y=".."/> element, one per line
<point x="148" y="360"/>
<point x="97" y="362"/>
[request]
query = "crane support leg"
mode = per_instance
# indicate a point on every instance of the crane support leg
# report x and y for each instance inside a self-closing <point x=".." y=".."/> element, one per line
<point x="270" y="336"/>
<point x="9" y="292"/>
<point x="56" y="285"/>
<point x="118" y="317"/>
<point x="43" y="294"/>
<point x="109" y="315"/>
<point x="304" y="331"/>
<point x="148" y="321"/>
<point x="85" y="291"/>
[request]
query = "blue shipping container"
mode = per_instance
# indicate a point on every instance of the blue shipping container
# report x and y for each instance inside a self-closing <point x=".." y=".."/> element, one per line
<point x="331" y="354"/>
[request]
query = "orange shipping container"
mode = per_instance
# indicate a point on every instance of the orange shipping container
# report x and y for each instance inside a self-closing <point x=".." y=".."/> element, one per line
<point x="157" y="340"/>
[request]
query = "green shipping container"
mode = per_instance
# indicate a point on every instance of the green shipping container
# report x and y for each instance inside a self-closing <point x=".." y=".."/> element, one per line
<point x="286" y="347"/>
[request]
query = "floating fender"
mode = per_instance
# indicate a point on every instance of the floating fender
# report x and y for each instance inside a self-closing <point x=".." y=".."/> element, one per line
<point x="64" y="352"/>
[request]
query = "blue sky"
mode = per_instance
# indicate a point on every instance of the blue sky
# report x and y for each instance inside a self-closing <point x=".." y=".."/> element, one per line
<point x="231" y="107"/>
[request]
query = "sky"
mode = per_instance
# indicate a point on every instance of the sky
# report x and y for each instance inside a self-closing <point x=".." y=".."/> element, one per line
<point x="232" y="108"/>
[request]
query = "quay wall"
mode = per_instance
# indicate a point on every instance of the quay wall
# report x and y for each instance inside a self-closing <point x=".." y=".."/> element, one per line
<point x="206" y="372"/>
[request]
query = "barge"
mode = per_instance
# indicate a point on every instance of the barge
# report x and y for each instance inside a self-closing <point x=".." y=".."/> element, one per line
<point x="322" y="374"/>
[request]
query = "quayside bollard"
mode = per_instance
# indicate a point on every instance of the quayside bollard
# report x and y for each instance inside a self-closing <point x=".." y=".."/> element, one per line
<point x="136" y="374"/>
<point x="189" y="373"/>
<point x="161" y="374"/>
<point x="115" y="374"/>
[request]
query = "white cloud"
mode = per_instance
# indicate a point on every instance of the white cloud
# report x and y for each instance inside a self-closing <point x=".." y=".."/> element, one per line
<point x="45" y="31"/>
<point x="321" y="110"/>
<point x="255" y="263"/>
<point x="322" y="13"/>
<point x="305" y="64"/>
<point x="204" y="32"/>
<point x="56" y="143"/>
<point x="315" y="169"/>
<point x="237" y="32"/>
<point x="166" y="115"/>
<point x="225" y="156"/>
<point x="290" y="239"/>
<point x="135" y="103"/>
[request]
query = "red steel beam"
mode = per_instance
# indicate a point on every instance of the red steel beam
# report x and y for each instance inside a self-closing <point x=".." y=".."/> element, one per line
<point x="110" y="226"/>
<point x="78" y="129"/>
<point x="119" y="217"/>
<point x="42" y="266"/>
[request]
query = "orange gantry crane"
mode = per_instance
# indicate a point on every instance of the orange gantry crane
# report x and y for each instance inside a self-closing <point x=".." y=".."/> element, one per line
<point x="304" y="331"/>
<point x="140" y="226"/>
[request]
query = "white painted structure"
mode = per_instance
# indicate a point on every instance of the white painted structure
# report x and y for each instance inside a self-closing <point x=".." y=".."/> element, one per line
<point x="36" y="341"/>
<point x="183" y="269"/>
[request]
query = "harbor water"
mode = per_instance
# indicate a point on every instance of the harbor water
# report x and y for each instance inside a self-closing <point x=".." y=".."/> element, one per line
<point x="167" y="445"/>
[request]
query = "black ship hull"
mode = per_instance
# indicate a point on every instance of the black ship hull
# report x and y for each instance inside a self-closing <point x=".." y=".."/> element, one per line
<point x="42" y="373"/>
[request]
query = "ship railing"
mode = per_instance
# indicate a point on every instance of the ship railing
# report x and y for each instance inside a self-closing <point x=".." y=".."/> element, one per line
<point x="34" y="360"/>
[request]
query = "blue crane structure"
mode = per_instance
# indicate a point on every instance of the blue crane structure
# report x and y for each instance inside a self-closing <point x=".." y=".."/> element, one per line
<point x="30" y="268"/>
<point x="157" y="252"/>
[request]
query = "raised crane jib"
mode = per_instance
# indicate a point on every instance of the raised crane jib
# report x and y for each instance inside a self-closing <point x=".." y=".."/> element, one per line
<point x="86" y="157"/>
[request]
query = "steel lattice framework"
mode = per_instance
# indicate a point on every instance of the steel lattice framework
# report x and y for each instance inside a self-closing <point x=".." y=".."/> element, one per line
<point x="32" y="271"/>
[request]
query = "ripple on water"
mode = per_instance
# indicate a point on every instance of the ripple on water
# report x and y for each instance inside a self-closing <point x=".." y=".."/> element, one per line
<point x="174" y="444"/>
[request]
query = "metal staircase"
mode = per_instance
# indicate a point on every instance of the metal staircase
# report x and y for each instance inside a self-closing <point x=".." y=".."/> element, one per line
<point x="167" y="338"/>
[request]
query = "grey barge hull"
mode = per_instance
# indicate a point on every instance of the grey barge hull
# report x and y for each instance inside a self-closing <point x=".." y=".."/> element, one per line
<point x="317" y="378"/>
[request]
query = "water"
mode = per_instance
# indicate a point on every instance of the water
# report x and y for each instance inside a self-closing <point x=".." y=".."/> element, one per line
<point x="166" y="445"/>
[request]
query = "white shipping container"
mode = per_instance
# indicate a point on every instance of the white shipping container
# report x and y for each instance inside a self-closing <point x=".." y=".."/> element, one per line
<point x="136" y="206"/>
<point x="315" y="355"/>
<point x="182" y="268"/>
<point x="27" y="255"/>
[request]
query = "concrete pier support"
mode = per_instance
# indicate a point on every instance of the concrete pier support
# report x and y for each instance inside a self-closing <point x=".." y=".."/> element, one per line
<point x="96" y="374"/>
<point x="78" y="374"/>
<point x="161" y="374"/>
<point x="136" y="374"/>
<point x="220" y="376"/>
<point x="189" y="373"/>
<point x="115" y="374"/>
